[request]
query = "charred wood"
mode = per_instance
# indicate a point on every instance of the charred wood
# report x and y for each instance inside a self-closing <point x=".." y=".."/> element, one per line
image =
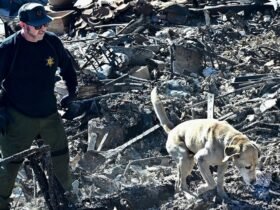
<point x="136" y="197"/>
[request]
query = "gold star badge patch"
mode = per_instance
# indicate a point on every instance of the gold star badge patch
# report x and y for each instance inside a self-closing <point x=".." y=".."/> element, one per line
<point x="50" y="61"/>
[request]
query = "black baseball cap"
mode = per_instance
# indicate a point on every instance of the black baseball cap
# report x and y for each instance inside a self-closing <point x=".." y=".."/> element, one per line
<point x="33" y="14"/>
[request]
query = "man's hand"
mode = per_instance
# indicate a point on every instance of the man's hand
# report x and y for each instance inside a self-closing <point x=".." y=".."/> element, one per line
<point x="66" y="100"/>
<point x="5" y="119"/>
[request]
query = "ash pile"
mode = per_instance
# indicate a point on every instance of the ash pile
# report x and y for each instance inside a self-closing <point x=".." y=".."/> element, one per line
<point x="208" y="59"/>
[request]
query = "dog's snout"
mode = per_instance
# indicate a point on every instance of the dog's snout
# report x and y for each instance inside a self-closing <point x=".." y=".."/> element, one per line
<point x="253" y="181"/>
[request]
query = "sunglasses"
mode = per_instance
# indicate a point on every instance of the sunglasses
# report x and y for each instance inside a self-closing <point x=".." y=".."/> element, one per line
<point x="41" y="26"/>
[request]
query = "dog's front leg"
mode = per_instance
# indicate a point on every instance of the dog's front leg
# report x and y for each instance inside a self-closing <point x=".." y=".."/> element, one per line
<point x="201" y="158"/>
<point x="220" y="181"/>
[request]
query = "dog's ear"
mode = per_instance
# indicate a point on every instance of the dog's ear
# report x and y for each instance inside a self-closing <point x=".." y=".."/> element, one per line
<point x="231" y="151"/>
<point x="259" y="151"/>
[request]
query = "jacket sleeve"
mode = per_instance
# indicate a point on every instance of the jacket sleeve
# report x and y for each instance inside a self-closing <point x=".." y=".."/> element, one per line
<point x="5" y="60"/>
<point x="67" y="70"/>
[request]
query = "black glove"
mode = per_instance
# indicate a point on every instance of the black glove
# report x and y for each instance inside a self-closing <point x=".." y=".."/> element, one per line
<point x="5" y="119"/>
<point x="67" y="100"/>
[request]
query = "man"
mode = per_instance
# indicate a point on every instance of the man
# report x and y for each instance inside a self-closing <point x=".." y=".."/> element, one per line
<point x="29" y="60"/>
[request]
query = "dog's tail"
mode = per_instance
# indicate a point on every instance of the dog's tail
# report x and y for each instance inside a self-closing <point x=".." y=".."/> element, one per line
<point x="166" y="124"/>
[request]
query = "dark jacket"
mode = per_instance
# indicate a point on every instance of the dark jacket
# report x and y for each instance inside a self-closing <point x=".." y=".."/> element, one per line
<point x="29" y="83"/>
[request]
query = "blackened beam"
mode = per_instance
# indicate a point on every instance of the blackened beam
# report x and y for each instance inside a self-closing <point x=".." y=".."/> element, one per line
<point x="260" y="83"/>
<point x="233" y="8"/>
<point x="122" y="77"/>
<point x="52" y="190"/>
<point x="26" y="153"/>
<point x="43" y="183"/>
<point x="112" y="152"/>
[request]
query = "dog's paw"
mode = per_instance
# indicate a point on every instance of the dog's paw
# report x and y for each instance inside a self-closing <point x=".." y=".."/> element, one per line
<point x="204" y="188"/>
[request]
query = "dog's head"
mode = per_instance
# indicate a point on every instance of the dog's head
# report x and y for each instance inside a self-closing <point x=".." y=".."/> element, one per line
<point x="245" y="156"/>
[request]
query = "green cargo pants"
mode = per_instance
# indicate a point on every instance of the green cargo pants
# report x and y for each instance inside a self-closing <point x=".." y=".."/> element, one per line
<point x="20" y="135"/>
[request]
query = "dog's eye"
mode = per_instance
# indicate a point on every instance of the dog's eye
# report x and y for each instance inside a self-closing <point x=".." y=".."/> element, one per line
<point x="247" y="167"/>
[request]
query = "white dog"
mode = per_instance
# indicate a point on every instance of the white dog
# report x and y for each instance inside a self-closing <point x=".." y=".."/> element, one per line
<point x="207" y="142"/>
